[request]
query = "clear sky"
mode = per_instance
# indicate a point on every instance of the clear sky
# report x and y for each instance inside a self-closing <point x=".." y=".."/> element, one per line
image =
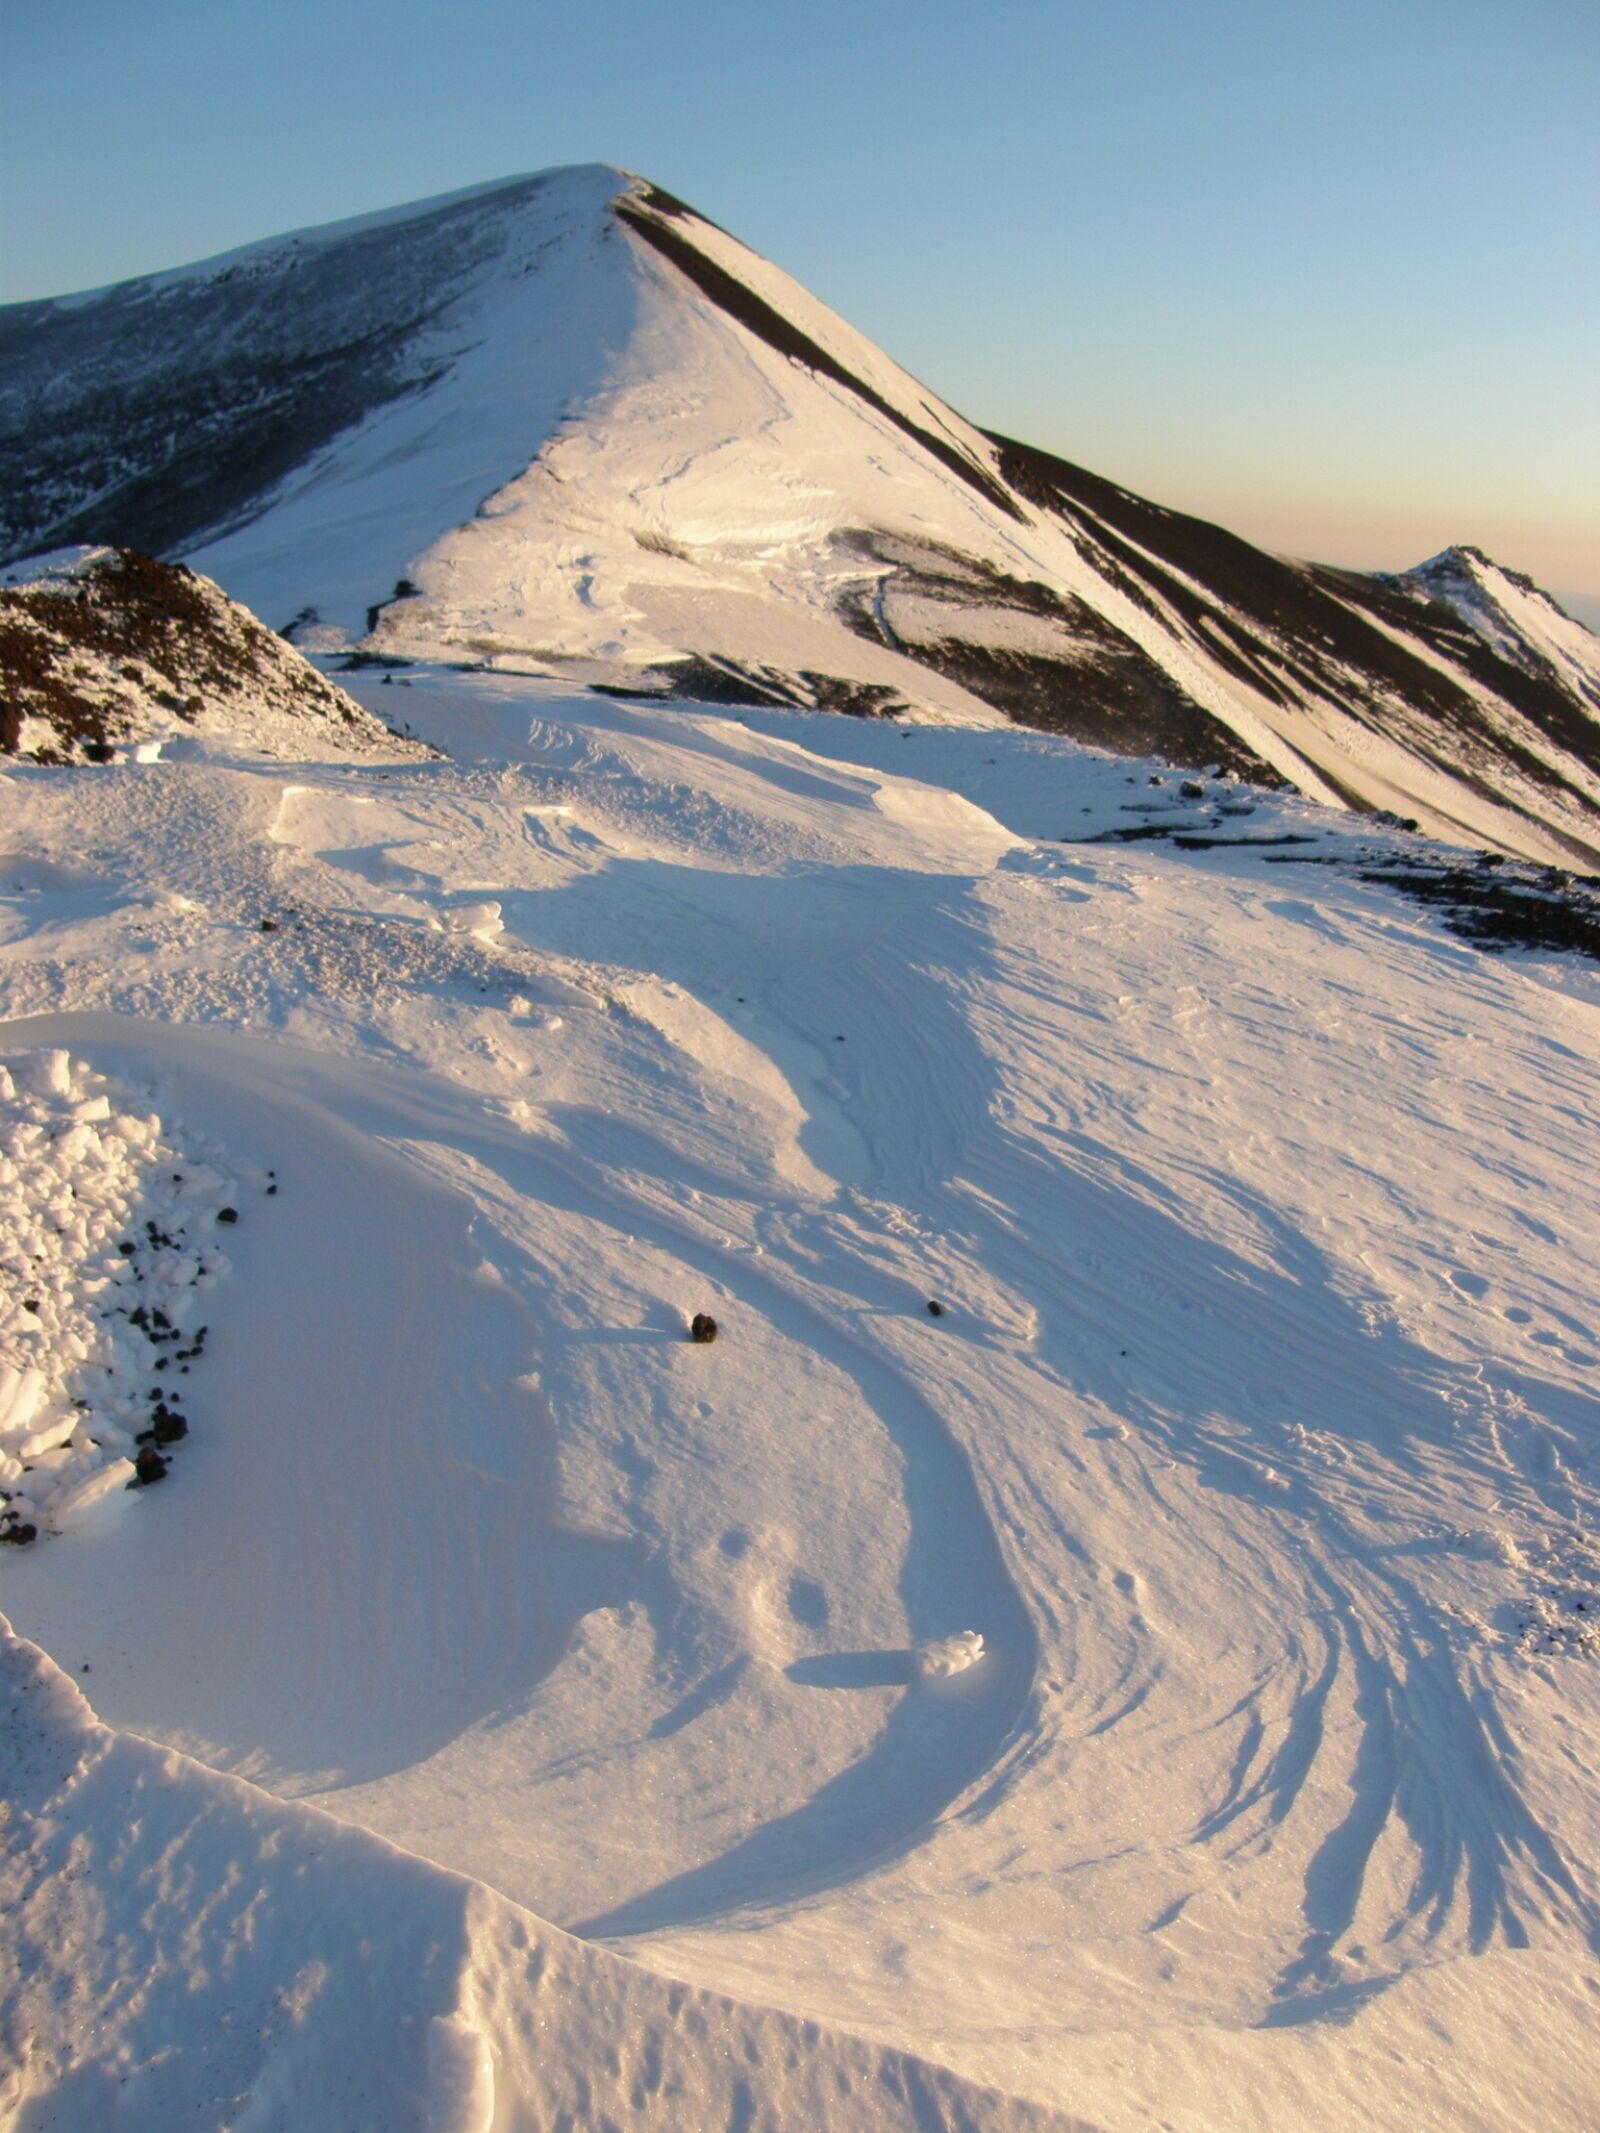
<point x="1328" y="273"/>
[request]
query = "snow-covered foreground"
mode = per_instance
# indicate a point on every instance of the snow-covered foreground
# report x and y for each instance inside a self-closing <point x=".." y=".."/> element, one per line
<point x="1157" y="1685"/>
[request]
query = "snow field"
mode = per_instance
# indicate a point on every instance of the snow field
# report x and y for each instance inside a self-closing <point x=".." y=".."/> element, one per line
<point x="180" y="1948"/>
<point x="1258" y="1410"/>
<point x="107" y="1232"/>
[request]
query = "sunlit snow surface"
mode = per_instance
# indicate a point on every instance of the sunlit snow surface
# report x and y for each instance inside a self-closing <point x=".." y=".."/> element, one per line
<point x="1156" y="1686"/>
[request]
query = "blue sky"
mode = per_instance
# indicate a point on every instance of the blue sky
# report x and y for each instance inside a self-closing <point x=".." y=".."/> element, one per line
<point x="1327" y="273"/>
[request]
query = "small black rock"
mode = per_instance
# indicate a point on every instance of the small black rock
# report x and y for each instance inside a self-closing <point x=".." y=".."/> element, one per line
<point x="149" y="1466"/>
<point x="19" y="1535"/>
<point x="703" y="1328"/>
<point x="228" y="1214"/>
<point x="935" y="1308"/>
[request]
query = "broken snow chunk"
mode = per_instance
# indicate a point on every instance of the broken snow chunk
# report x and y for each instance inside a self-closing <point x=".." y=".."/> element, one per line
<point x="105" y="1481"/>
<point x="95" y="1208"/>
<point x="50" y="1434"/>
<point x="45" y="1074"/>
<point x="22" y="1394"/>
<point x="482" y="921"/>
<point x="944" y="1656"/>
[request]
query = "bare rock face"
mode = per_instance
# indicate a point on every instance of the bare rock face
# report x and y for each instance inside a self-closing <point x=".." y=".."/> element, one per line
<point x="104" y="648"/>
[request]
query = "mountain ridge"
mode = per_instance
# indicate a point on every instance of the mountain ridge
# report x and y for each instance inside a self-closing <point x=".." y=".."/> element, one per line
<point x="565" y="423"/>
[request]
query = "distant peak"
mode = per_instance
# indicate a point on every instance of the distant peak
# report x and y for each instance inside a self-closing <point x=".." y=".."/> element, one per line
<point x="1459" y="556"/>
<point x="1462" y="560"/>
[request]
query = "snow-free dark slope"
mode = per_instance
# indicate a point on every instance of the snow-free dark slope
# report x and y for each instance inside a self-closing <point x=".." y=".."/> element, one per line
<point x="567" y="424"/>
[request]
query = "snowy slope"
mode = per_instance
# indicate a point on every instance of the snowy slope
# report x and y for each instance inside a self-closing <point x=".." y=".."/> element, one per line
<point x="103" y="649"/>
<point x="1255" y="1438"/>
<point x="567" y="425"/>
<point x="1524" y="625"/>
<point x="182" y="1949"/>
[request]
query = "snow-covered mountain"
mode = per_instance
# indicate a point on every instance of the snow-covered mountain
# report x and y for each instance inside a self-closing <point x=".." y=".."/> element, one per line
<point x="567" y="425"/>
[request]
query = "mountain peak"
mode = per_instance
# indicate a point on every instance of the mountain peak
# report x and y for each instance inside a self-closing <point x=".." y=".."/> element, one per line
<point x="565" y="423"/>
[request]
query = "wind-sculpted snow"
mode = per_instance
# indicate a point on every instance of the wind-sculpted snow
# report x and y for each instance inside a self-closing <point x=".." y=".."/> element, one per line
<point x="180" y="1948"/>
<point x="1157" y="1683"/>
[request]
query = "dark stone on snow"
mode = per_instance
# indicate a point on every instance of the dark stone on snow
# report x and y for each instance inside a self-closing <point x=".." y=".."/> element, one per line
<point x="703" y="1328"/>
<point x="149" y="1466"/>
<point x="19" y="1535"/>
<point x="935" y="1308"/>
<point x="228" y="1214"/>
